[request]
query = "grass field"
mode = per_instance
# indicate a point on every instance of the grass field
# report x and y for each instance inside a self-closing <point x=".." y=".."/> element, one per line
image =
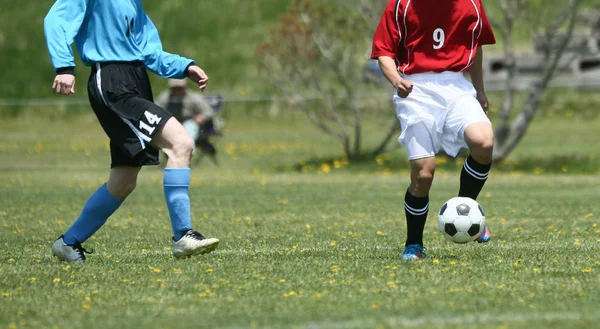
<point x="299" y="250"/>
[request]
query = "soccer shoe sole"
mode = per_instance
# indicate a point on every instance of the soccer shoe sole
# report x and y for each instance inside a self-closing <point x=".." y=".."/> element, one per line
<point x="211" y="246"/>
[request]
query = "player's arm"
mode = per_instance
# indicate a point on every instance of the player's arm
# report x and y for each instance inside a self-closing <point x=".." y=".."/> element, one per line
<point x="477" y="78"/>
<point x="485" y="38"/>
<point x="477" y="71"/>
<point x="169" y="65"/>
<point x="61" y="25"/>
<point x="390" y="71"/>
<point x="385" y="43"/>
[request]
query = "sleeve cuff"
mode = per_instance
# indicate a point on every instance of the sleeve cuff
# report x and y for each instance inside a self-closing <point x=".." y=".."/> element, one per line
<point x="381" y="53"/>
<point x="185" y="72"/>
<point x="66" y="70"/>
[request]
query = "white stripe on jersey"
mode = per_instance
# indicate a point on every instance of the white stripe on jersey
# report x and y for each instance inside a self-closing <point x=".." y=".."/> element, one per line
<point x="397" y="21"/>
<point x="406" y="32"/>
<point x="473" y="36"/>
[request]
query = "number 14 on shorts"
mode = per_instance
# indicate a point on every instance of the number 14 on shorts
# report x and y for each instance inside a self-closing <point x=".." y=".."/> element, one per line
<point x="152" y="119"/>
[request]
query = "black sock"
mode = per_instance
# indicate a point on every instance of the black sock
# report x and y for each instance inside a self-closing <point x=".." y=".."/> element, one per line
<point x="472" y="178"/>
<point x="416" y="209"/>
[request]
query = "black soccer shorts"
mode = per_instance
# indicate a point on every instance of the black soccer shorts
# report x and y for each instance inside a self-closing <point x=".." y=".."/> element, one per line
<point x="121" y="97"/>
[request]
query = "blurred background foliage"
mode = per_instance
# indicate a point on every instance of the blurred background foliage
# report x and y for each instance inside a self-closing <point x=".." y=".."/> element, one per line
<point x="225" y="37"/>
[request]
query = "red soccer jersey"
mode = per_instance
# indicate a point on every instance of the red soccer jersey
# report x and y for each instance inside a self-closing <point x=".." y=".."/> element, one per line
<point x="432" y="35"/>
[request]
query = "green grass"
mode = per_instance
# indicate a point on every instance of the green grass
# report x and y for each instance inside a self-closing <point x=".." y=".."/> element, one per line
<point x="298" y="250"/>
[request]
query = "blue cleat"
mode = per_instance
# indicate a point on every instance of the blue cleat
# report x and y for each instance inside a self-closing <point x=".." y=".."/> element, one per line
<point x="413" y="252"/>
<point x="485" y="236"/>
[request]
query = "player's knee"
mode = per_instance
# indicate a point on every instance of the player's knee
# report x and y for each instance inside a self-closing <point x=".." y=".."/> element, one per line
<point x="182" y="149"/>
<point x="482" y="144"/>
<point x="483" y="149"/>
<point x="425" y="177"/>
<point x="422" y="182"/>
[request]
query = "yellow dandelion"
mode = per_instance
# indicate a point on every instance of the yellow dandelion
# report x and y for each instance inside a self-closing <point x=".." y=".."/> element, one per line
<point x="210" y="270"/>
<point x="156" y="270"/>
<point x="587" y="270"/>
<point x="332" y="243"/>
<point x="56" y="280"/>
<point x="289" y="294"/>
<point x="177" y="271"/>
<point x="10" y="260"/>
<point x="86" y="306"/>
<point x="5" y="294"/>
<point x="380" y="233"/>
<point x="436" y="261"/>
<point x="307" y="226"/>
<point x="326" y="168"/>
<point x="282" y="280"/>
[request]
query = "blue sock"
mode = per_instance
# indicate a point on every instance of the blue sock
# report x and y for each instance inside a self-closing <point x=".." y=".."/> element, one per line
<point x="176" y="183"/>
<point x="95" y="213"/>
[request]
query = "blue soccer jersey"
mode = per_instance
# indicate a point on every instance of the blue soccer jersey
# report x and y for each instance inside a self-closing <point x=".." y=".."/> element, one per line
<point x="106" y="31"/>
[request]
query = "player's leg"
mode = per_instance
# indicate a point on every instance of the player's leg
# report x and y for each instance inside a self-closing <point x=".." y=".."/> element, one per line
<point x="480" y="140"/>
<point x="421" y="153"/>
<point x="99" y="207"/>
<point x="469" y="126"/>
<point x="178" y="145"/>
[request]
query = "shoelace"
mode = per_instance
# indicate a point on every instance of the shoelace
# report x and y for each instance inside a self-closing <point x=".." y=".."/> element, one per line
<point x="195" y="235"/>
<point x="81" y="251"/>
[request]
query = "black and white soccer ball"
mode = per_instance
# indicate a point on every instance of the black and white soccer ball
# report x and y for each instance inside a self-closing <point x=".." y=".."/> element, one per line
<point x="461" y="220"/>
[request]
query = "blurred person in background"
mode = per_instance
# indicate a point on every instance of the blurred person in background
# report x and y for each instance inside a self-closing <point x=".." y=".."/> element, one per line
<point x="199" y="115"/>
<point x="120" y="42"/>
<point x="423" y="48"/>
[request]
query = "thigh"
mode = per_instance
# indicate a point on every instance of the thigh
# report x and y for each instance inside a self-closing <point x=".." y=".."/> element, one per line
<point x="130" y="120"/>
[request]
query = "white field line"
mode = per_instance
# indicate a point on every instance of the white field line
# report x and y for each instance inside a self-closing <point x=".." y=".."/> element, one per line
<point x="399" y="321"/>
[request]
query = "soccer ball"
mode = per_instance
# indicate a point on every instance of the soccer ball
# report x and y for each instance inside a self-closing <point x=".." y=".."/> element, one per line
<point x="461" y="220"/>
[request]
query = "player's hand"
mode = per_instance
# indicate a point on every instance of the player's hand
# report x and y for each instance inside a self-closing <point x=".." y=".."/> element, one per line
<point x="199" y="119"/>
<point x="64" y="84"/>
<point x="197" y="75"/>
<point x="482" y="98"/>
<point x="403" y="88"/>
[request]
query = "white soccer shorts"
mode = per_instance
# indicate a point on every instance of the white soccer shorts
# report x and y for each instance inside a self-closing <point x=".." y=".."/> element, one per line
<point x="436" y="114"/>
